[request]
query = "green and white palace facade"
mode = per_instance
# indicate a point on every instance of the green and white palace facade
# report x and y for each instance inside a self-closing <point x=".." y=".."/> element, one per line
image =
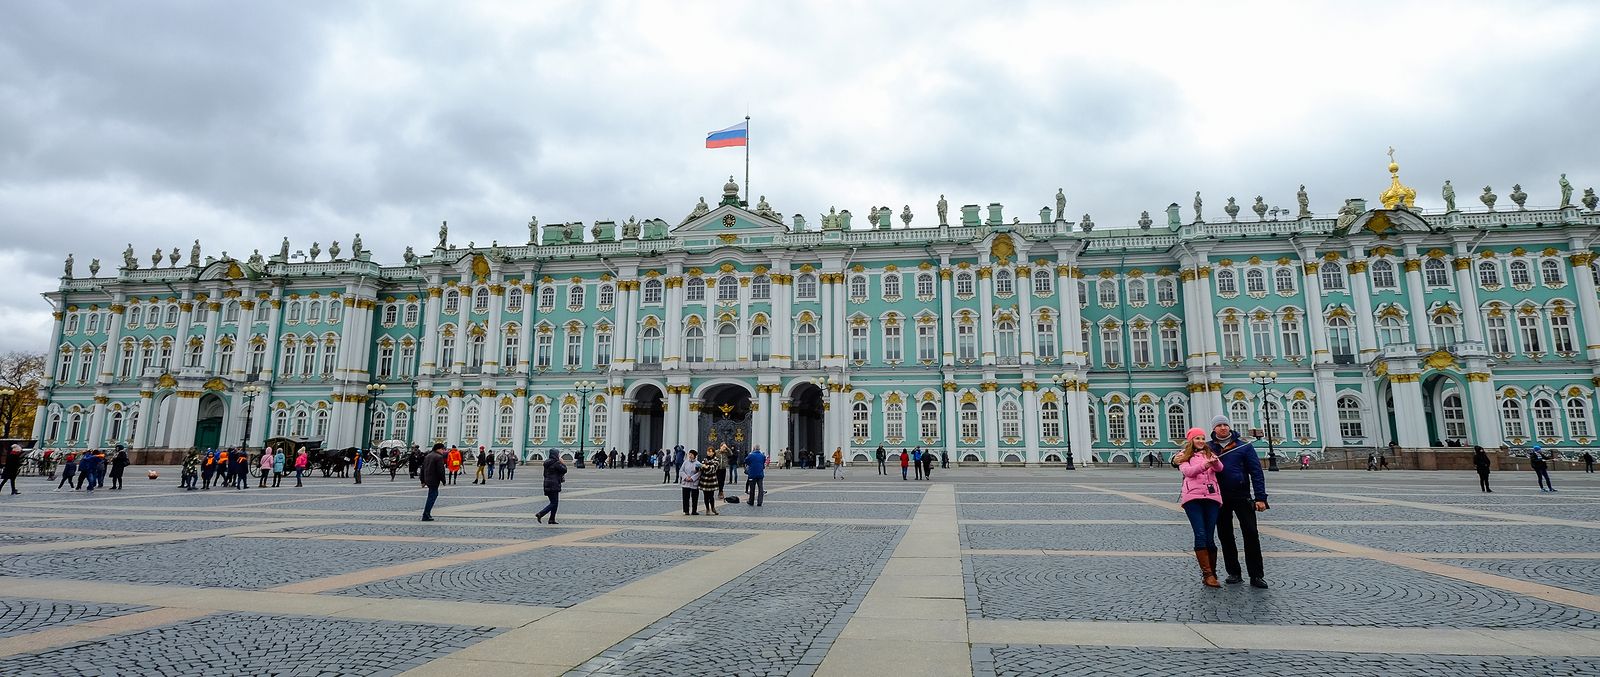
<point x="995" y="339"/>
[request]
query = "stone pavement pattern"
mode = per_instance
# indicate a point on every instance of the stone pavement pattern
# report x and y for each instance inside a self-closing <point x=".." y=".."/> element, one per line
<point x="980" y="572"/>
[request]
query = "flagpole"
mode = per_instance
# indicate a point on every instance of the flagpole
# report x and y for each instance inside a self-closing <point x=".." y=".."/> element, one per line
<point x="747" y="161"/>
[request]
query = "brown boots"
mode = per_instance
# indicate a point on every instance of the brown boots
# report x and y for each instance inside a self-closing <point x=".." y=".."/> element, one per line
<point x="1208" y="570"/>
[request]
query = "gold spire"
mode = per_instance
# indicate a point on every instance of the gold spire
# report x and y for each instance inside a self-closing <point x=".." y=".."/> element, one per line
<point x="1398" y="193"/>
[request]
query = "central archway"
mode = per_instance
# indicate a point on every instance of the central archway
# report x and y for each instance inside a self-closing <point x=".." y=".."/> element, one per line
<point x="208" y="422"/>
<point x="649" y="420"/>
<point x="725" y="418"/>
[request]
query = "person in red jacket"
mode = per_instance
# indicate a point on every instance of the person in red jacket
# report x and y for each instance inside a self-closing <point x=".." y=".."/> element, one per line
<point x="905" y="463"/>
<point x="452" y="462"/>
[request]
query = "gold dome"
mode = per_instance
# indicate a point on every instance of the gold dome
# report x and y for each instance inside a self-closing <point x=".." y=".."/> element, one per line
<point x="1398" y="194"/>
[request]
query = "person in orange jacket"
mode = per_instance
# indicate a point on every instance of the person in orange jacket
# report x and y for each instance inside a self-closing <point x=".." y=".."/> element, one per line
<point x="452" y="462"/>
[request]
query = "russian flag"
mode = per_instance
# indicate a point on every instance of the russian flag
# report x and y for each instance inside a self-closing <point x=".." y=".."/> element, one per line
<point x="737" y="135"/>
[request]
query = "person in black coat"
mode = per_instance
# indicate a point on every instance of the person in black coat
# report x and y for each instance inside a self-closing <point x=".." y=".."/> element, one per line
<point x="555" y="472"/>
<point x="13" y="468"/>
<point x="432" y="468"/>
<point x="1480" y="460"/>
<point x="118" y="463"/>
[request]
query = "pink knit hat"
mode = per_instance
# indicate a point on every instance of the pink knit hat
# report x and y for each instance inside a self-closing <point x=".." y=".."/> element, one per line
<point x="1193" y="433"/>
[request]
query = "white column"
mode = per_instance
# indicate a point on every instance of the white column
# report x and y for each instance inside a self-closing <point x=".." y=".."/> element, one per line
<point x="946" y="293"/>
<point x="1588" y="305"/>
<point x="1363" y="300"/>
<point x="1071" y="315"/>
<point x="519" y="422"/>
<point x="1030" y="423"/>
<point x="1467" y="291"/>
<point x="97" y="413"/>
<point x="839" y="323"/>
<point x="1315" y="323"/>
<point x="1078" y="410"/>
<point x="1327" y="408"/>
<point x="108" y="365"/>
<point x="430" y="328"/>
<point x="269" y="364"/>
<point x="1408" y="410"/>
<point x="826" y="322"/>
<point x="454" y="425"/>
<point x="1485" y="410"/>
<point x="495" y="338"/>
<point x="782" y="319"/>
<point x="672" y="331"/>
<point x="762" y="406"/>
<point x="141" y="428"/>
<point x="952" y="424"/>
<point x="990" y="416"/>
<point x="1420" y="335"/>
<point x="52" y="356"/>
<point x="986" y="318"/>
<point x="422" y="420"/>
<point x="1022" y="281"/>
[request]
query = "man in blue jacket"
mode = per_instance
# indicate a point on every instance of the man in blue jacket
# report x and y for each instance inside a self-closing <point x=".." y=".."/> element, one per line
<point x="755" y="472"/>
<point x="1241" y="477"/>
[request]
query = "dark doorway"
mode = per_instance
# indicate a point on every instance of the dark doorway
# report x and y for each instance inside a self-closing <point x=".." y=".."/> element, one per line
<point x="725" y="418"/>
<point x="805" y="424"/>
<point x="208" y="427"/>
<point x="649" y="420"/>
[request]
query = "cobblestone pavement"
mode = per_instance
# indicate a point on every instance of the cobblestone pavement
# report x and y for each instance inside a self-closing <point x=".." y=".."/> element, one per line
<point x="18" y="616"/>
<point x="1029" y="661"/>
<point x="251" y="644"/>
<point x="1371" y="573"/>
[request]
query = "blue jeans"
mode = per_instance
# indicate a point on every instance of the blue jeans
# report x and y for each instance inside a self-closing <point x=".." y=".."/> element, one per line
<point x="1544" y="479"/>
<point x="433" y="495"/>
<point x="1203" y="519"/>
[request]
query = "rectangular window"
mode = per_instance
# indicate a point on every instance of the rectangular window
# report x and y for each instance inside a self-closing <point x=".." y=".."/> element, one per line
<point x="1261" y="338"/>
<point x="858" y="344"/>
<point x="408" y="359"/>
<point x="1111" y="346"/>
<point x="602" y="350"/>
<point x="966" y="341"/>
<point x="1140" y="338"/>
<point x="1499" y="335"/>
<point x="892" y="343"/>
<point x="1561" y="333"/>
<point x="1528" y="331"/>
<point x="928" y="421"/>
<point x="894" y="421"/>
<point x="574" y="353"/>
<point x="927" y="342"/>
<point x="542" y="351"/>
<point x="860" y="421"/>
<point x="1045" y="340"/>
<point x="1290" y="329"/>
<point x="385" y="361"/>
<point x="1232" y="340"/>
<point x="1171" y="347"/>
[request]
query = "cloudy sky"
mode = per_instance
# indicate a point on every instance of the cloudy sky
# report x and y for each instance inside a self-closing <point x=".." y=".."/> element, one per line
<point x="157" y="123"/>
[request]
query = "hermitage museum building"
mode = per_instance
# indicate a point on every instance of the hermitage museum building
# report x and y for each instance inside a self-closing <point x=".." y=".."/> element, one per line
<point x="991" y="338"/>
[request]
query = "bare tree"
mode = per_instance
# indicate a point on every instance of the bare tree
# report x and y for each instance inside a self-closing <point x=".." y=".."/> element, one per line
<point x="20" y="371"/>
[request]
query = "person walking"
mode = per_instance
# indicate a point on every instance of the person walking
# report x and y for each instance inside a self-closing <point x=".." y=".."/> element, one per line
<point x="452" y="463"/>
<point x="89" y="469"/>
<point x="208" y="468"/>
<point x="755" y="472"/>
<point x="277" y="467"/>
<point x="301" y="460"/>
<point x="927" y="465"/>
<point x="1480" y="462"/>
<point x="360" y="462"/>
<point x="239" y="463"/>
<point x="555" y="472"/>
<point x="13" y="468"/>
<point x="666" y="466"/>
<point x="510" y="466"/>
<point x="413" y="461"/>
<point x="1240" y="477"/>
<point x="1540" y="468"/>
<point x="916" y="461"/>
<point x="710" y="471"/>
<point x="944" y="460"/>
<point x="677" y="463"/>
<point x="1588" y="462"/>
<point x="191" y="471"/>
<point x="838" y="463"/>
<point x="118" y="464"/>
<point x="1200" y="500"/>
<point x="433" y="472"/>
<point x="905" y="463"/>
<point x="480" y="462"/>
<point x="265" y="467"/>
<point x="883" y="460"/>
<point x="68" y="469"/>
<point x="689" y="481"/>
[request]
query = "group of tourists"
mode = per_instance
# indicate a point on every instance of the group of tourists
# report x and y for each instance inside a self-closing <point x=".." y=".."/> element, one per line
<point x="87" y="470"/>
<point x="916" y="458"/>
<point x="233" y="468"/>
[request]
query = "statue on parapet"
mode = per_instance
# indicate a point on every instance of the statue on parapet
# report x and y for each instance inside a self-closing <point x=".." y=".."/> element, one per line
<point x="129" y="261"/>
<point x="1590" y="200"/>
<point x="444" y="233"/>
<point x="630" y="229"/>
<point x="1304" y="200"/>
<point x="1566" y="192"/>
<point x="68" y="273"/>
<point x="410" y="256"/>
<point x="1488" y="198"/>
<point x="1449" y="196"/>
<point x="700" y="209"/>
<point x="355" y="247"/>
<point x="764" y="209"/>
<point x="194" y="255"/>
<point x="155" y="259"/>
<point x="1198" y="203"/>
<point x="1061" y="201"/>
<point x="283" y="251"/>
<point x="94" y="267"/>
<point x="944" y="211"/>
<point x="533" y="229"/>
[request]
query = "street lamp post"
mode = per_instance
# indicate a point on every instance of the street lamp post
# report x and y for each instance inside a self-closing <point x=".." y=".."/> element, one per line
<point x="1263" y="379"/>
<point x="827" y="384"/>
<point x="1062" y="381"/>
<point x="373" y="391"/>
<point x="6" y="398"/>
<point x="250" y="392"/>
<point x="583" y="388"/>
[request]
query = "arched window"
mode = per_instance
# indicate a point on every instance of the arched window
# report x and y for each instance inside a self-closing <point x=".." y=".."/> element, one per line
<point x="891" y="285"/>
<point x="809" y="346"/>
<point x="1446" y="331"/>
<point x="924" y="285"/>
<point x="1300" y="420"/>
<point x="380" y="424"/>
<point x="1227" y="283"/>
<point x="1488" y="274"/>
<point x="928" y="421"/>
<point x="1383" y="274"/>
<point x="321" y="424"/>
<point x="1144" y="419"/>
<point x="597" y="424"/>
<point x="93" y="324"/>
<point x="894" y="422"/>
<point x="441" y="423"/>
<point x="1519" y="273"/>
<point x="230" y="311"/>
<point x="1550" y="273"/>
<point x="694" y="289"/>
<point x="1166" y="292"/>
<point x="728" y="288"/>
<point x="1332" y="277"/>
<point x="1544" y="418"/>
<point x="969" y="421"/>
<point x="172" y="315"/>
<point x="963" y="283"/>
<point x="74" y="427"/>
<point x="805" y="287"/>
<point x="760" y="288"/>
<point x="1117" y="423"/>
<point x="514" y="299"/>
<point x="694" y="344"/>
<point x="1283" y="281"/>
<point x="72" y="324"/>
<point x="1043" y="283"/>
<point x="652" y="291"/>
<point x="569" y="423"/>
<point x="760" y="343"/>
<point x="650" y="346"/>
<point x="413" y="311"/>
<point x="280" y="423"/>
<point x="402" y="425"/>
<point x="1107" y="292"/>
<point x="53" y="428"/>
<point x="1391" y="331"/>
<point x="1577" y="417"/>
<point x="302" y="423"/>
<point x="1177" y="421"/>
<point x="1455" y="417"/>
<point x="1006" y="340"/>
<point x="480" y="300"/>
<point x="335" y="312"/>
<point x="860" y="421"/>
<point x="538" y="423"/>
<point x="293" y="315"/>
<point x="1435" y="273"/>
<point x="1010" y="420"/>
<point x="1050" y="421"/>
<point x="607" y="296"/>
<point x="727" y="342"/>
<point x="575" y="297"/>
<point x="391" y="314"/>
<point x="452" y="301"/>
<point x="1003" y="282"/>
<point x="1239" y="414"/>
<point x="193" y="353"/>
<point x="547" y="297"/>
<point x="1272" y="413"/>
<point x="314" y="312"/>
<point x="1255" y="281"/>
<point x="1511" y="422"/>
<point x="1138" y="293"/>
<point x="858" y="286"/>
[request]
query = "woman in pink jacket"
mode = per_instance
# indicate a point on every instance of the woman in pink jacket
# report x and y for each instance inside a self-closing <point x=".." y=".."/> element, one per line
<point x="1201" y="500"/>
<point x="266" y="465"/>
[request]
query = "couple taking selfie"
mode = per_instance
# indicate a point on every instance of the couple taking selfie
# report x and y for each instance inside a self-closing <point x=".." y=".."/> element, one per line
<point x="1222" y="481"/>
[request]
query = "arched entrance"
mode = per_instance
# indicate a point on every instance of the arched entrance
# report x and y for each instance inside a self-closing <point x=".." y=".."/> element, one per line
<point x="208" y="422"/>
<point x="649" y="420"/>
<point x="805" y="423"/>
<point x="1444" y="399"/>
<point x="725" y="418"/>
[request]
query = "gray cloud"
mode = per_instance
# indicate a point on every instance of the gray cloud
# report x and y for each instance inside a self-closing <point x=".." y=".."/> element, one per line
<point x="157" y="123"/>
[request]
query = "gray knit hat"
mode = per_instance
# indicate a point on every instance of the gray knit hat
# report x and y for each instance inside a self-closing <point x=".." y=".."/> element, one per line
<point x="1220" y="420"/>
